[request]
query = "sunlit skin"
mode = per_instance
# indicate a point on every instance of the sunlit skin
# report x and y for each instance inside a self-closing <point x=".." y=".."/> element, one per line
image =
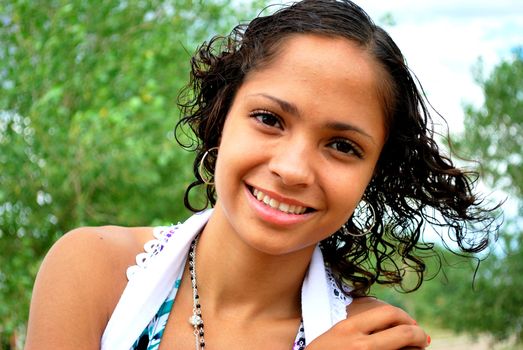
<point x="306" y="130"/>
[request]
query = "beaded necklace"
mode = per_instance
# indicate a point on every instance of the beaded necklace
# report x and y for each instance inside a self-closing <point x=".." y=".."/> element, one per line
<point x="196" y="319"/>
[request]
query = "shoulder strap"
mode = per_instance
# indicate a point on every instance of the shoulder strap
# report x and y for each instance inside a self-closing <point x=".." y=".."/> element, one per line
<point x="323" y="303"/>
<point x="149" y="286"/>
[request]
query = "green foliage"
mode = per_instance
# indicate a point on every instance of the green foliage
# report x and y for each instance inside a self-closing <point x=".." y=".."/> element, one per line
<point x="494" y="132"/>
<point x="496" y="309"/>
<point x="87" y="109"/>
<point x="466" y="300"/>
<point x="487" y="300"/>
<point x="387" y="20"/>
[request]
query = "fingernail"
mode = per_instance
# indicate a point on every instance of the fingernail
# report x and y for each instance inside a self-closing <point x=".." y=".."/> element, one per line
<point x="428" y="339"/>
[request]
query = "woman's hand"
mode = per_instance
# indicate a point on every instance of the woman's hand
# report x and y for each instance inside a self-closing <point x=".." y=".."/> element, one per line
<point x="372" y="324"/>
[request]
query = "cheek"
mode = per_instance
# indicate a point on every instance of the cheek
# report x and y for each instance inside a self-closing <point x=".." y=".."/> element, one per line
<point x="348" y="189"/>
<point x="234" y="159"/>
<point x="220" y="172"/>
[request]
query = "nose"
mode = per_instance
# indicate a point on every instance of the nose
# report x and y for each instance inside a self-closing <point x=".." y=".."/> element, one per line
<point x="293" y="164"/>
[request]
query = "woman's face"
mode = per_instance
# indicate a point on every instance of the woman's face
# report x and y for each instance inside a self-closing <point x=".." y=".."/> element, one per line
<point x="300" y="144"/>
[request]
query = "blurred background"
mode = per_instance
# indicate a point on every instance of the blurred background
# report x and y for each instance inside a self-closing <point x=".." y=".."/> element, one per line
<point x="88" y="106"/>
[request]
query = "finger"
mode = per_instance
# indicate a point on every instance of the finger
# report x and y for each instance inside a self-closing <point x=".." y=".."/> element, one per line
<point x="400" y="337"/>
<point x="377" y="319"/>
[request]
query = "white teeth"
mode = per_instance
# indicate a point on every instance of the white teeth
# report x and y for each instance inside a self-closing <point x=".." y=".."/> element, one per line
<point x="273" y="203"/>
<point x="284" y="207"/>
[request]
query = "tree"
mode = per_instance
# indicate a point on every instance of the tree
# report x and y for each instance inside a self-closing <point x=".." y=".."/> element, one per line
<point x="494" y="132"/>
<point x="87" y="108"/>
<point x="458" y="294"/>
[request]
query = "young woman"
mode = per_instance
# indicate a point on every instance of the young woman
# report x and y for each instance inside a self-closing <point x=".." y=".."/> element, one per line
<point x="315" y="149"/>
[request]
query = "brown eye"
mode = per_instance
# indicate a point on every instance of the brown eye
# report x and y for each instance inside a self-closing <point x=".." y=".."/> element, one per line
<point x="267" y="118"/>
<point x="346" y="147"/>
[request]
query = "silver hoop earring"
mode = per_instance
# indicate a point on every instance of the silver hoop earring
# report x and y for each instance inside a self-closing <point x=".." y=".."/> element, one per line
<point x="364" y="218"/>
<point x="201" y="171"/>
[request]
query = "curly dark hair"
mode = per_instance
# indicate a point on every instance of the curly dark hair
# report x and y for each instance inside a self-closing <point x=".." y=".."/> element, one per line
<point x="414" y="183"/>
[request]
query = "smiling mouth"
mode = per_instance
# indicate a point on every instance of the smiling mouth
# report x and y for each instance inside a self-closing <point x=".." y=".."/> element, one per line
<point x="281" y="206"/>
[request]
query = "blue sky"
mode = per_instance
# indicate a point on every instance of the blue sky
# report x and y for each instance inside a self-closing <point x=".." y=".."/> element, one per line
<point x="443" y="39"/>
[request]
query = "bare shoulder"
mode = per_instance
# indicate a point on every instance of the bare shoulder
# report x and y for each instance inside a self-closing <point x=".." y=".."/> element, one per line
<point x="110" y="247"/>
<point x="362" y="304"/>
<point x="97" y="256"/>
<point x="79" y="284"/>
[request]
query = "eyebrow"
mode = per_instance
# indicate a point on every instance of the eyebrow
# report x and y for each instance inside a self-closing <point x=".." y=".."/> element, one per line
<point x="338" y="126"/>
<point x="287" y="107"/>
<point x="291" y="108"/>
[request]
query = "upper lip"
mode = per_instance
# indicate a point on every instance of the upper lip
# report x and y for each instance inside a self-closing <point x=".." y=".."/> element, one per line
<point x="281" y="198"/>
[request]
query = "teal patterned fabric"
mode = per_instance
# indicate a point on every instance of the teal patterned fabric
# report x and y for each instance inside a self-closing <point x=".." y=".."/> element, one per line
<point x="152" y="334"/>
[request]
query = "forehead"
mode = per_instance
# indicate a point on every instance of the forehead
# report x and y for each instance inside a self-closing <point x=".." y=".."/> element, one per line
<point x="324" y="76"/>
<point x="314" y="58"/>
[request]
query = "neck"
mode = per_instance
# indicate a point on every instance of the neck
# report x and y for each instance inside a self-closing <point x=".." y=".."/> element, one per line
<point x="235" y="279"/>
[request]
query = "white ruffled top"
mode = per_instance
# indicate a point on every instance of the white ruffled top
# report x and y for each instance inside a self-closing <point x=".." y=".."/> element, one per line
<point x="163" y="259"/>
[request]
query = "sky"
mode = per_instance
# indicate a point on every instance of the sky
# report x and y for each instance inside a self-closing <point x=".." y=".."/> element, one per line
<point x="442" y="41"/>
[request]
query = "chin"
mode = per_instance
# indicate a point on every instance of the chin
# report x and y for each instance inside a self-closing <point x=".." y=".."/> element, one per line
<point x="278" y="246"/>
